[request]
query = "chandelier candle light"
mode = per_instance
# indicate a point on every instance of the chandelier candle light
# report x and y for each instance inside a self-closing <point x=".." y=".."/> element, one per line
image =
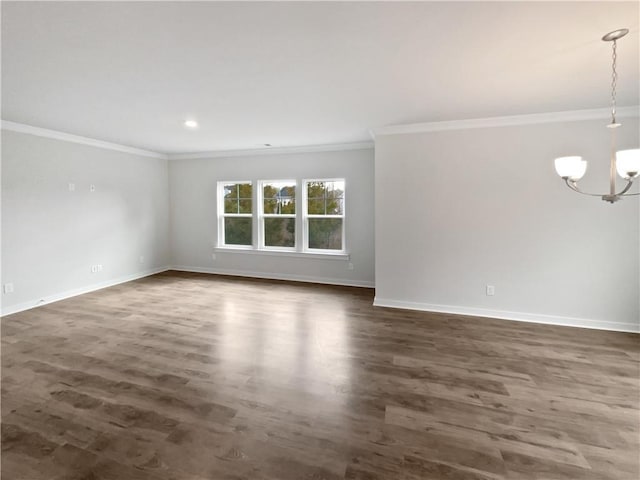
<point x="625" y="162"/>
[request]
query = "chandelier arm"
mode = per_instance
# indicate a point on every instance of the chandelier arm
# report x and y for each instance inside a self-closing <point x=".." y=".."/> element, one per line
<point x="574" y="186"/>
<point x="626" y="188"/>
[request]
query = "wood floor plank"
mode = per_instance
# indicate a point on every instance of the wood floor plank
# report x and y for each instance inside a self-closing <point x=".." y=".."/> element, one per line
<point x="185" y="376"/>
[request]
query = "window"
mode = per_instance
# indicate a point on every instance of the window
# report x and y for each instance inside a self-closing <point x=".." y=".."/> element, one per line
<point x="278" y="220"/>
<point x="324" y="219"/>
<point x="236" y="217"/>
<point x="299" y="216"/>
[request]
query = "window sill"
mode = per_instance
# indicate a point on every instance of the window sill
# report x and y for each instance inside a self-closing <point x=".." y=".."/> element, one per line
<point x="284" y="253"/>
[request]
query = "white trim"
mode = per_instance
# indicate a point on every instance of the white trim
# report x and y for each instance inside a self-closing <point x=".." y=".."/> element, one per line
<point x="272" y="151"/>
<point x="506" y="315"/>
<point x="262" y="216"/>
<point x="305" y="214"/>
<point x="319" y="255"/>
<point x="67" y="137"/>
<point x="20" y="307"/>
<point x="276" y="276"/>
<point x="222" y="215"/>
<point x="492" y="122"/>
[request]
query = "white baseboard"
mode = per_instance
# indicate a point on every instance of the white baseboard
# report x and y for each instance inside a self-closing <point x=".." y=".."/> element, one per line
<point x="379" y="302"/>
<point x="276" y="276"/>
<point x="506" y="315"/>
<point x="78" y="291"/>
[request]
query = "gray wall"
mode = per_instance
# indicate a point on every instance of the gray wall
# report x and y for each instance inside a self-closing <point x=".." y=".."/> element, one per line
<point x="457" y="210"/>
<point x="193" y="215"/>
<point x="51" y="236"/>
<point x="454" y="211"/>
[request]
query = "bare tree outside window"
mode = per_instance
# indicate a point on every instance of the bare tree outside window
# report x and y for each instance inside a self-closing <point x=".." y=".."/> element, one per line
<point x="238" y="212"/>
<point x="279" y="213"/>
<point x="325" y="214"/>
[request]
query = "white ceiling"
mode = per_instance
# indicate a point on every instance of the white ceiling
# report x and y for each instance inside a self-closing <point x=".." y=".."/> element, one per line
<point x="301" y="73"/>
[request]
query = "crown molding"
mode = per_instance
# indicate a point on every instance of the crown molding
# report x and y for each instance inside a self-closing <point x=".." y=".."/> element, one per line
<point x="272" y="151"/>
<point x="492" y="122"/>
<point x="67" y="137"/>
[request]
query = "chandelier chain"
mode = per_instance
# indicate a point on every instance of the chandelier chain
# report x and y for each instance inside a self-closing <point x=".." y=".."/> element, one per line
<point x="614" y="80"/>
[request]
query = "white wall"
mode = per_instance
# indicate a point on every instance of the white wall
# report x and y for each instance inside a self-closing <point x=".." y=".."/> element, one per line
<point x="457" y="210"/>
<point x="193" y="214"/>
<point x="51" y="236"/>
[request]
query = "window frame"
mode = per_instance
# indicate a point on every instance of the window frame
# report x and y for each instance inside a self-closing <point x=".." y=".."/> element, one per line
<point x="306" y="216"/>
<point x="222" y="214"/>
<point x="300" y="248"/>
<point x="262" y="216"/>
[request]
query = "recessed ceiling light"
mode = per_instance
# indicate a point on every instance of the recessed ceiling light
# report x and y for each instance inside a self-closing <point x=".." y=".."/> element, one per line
<point x="191" y="124"/>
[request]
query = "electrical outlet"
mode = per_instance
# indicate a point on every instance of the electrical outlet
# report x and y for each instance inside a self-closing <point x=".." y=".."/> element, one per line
<point x="491" y="290"/>
<point x="72" y="187"/>
<point x="350" y="266"/>
<point x="92" y="188"/>
<point x="94" y="268"/>
<point x="7" y="288"/>
<point x="99" y="267"/>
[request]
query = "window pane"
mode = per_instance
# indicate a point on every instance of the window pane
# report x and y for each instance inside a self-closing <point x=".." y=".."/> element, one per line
<point x="280" y="197"/>
<point x="270" y="206"/>
<point x="288" y="207"/>
<point x="231" y="190"/>
<point x="245" y="205"/>
<point x="315" y="190"/>
<point x="325" y="198"/>
<point x="316" y="206"/>
<point x="237" y="231"/>
<point x="245" y="190"/>
<point x="325" y="233"/>
<point x="279" y="232"/>
<point x="335" y="206"/>
<point x="335" y="189"/>
<point x="237" y="197"/>
<point x="230" y="205"/>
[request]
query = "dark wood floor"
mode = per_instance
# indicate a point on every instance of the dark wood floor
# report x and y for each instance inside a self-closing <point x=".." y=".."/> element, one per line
<point x="193" y="377"/>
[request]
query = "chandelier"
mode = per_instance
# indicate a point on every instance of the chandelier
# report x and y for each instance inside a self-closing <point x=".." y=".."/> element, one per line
<point x="625" y="162"/>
